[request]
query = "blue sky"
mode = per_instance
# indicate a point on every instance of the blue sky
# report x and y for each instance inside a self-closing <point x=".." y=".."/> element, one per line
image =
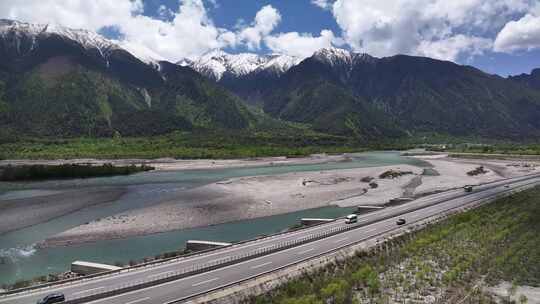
<point x="497" y="36"/>
<point x="298" y="15"/>
<point x="303" y="16"/>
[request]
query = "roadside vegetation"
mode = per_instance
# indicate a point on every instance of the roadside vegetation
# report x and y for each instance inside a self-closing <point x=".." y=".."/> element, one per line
<point x="498" y="148"/>
<point x="42" y="172"/>
<point x="453" y="261"/>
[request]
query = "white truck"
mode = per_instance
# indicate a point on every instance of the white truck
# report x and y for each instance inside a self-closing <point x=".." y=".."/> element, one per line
<point x="351" y="218"/>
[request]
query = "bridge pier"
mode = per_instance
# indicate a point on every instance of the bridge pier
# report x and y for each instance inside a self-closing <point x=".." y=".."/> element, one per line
<point x="196" y="245"/>
<point x="86" y="268"/>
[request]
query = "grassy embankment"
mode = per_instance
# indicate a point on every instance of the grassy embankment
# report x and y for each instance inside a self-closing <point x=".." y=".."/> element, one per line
<point x="451" y="262"/>
<point x="42" y="172"/>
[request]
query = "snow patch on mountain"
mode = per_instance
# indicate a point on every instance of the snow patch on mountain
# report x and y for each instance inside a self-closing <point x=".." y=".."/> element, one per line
<point x="216" y="63"/>
<point x="16" y="32"/>
<point x="280" y="63"/>
<point x="142" y="53"/>
<point x="336" y="56"/>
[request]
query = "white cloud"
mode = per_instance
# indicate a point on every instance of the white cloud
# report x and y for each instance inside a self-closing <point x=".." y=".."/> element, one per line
<point x="77" y="14"/>
<point x="324" y="4"/>
<point x="164" y="12"/>
<point x="266" y="19"/>
<point x="301" y="45"/>
<point x="444" y="29"/>
<point x="452" y="47"/>
<point x="187" y="32"/>
<point x="439" y="28"/>
<point x="523" y="34"/>
<point x="190" y="33"/>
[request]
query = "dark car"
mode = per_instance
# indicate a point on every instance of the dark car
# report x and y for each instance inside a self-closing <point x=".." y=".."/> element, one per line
<point x="52" y="298"/>
<point x="401" y="221"/>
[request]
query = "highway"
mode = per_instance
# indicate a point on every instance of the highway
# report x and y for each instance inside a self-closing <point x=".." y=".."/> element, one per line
<point x="369" y="226"/>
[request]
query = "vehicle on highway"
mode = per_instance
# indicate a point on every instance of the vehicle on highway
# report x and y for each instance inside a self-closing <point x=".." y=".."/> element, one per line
<point x="468" y="188"/>
<point x="351" y="218"/>
<point x="401" y="221"/>
<point x="52" y="298"/>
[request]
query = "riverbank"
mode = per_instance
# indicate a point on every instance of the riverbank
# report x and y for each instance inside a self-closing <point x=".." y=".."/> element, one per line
<point x="12" y="173"/>
<point x="18" y="213"/>
<point x="259" y="196"/>
<point x="186" y="164"/>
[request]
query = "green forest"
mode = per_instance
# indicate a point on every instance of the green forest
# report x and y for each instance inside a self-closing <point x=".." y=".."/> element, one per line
<point x="183" y="145"/>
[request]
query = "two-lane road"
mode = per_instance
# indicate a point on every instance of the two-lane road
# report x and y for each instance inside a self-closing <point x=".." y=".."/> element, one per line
<point x="369" y="225"/>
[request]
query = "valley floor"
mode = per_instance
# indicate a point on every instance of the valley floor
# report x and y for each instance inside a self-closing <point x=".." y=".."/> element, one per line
<point x="258" y="196"/>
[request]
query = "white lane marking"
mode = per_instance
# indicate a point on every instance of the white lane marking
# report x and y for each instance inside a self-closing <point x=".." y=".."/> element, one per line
<point x="205" y="282"/>
<point x="370" y="230"/>
<point x="139" y="300"/>
<point x="120" y="295"/>
<point x="260" y="265"/>
<point x="220" y="259"/>
<point x="306" y="251"/>
<point x="159" y="274"/>
<point x="87" y="290"/>
<point x="341" y="240"/>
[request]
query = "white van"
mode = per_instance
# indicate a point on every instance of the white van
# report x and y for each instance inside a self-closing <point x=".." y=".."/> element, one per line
<point x="351" y="218"/>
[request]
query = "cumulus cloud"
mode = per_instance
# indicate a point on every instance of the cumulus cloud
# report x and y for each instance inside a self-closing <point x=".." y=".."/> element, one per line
<point x="190" y="33"/>
<point x="173" y="34"/>
<point x="324" y="4"/>
<point x="164" y="12"/>
<point x="77" y="14"/>
<point x="266" y="19"/>
<point x="523" y="34"/>
<point x="183" y="32"/>
<point x="452" y="47"/>
<point x="300" y="44"/>
<point x="442" y="29"/>
<point x="439" y="28"/>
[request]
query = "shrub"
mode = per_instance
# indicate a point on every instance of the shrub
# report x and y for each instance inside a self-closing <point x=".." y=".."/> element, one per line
<point x="477" y="171"/>
<point x="366" y="179"/>
<point x="394" y="174"/>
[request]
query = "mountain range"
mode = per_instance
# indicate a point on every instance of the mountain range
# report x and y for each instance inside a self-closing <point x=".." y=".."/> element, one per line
<point x="61" y="82"/>
<point x="341" y="92"/>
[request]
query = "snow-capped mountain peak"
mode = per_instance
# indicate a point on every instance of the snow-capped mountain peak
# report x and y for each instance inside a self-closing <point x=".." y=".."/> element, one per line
<point x="29" y="35"/>
<point x="215" y="64"/>
<point x="334" y="56"/>
<point x="87" y="39"/>
<point x="280" y="63"/>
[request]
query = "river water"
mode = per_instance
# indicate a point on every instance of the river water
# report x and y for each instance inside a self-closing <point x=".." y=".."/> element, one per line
<point x="20" y="259"/>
